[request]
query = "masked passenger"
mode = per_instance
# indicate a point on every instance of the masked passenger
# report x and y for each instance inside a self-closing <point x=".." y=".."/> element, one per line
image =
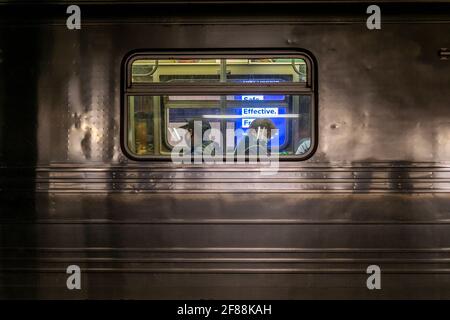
<point x="256" y="141"/>
<point x="205" y="142"/>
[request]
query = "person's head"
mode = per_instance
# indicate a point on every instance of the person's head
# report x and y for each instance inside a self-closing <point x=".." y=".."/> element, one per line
<point x="262" y="127"/>
<point x="189" y="127"/>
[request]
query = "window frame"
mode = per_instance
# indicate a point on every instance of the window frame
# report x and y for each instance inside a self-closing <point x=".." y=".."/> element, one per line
<point x="129" y="89"/>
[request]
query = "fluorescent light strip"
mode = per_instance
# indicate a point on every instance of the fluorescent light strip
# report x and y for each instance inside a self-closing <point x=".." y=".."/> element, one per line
<point x="238" y="116"/>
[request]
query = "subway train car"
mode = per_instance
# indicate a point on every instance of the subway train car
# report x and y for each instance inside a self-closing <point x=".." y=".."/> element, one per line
<point x="354" y="106"/>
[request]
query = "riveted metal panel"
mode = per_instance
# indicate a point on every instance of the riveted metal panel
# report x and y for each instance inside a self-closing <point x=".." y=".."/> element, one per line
<point x="376" y="191"/>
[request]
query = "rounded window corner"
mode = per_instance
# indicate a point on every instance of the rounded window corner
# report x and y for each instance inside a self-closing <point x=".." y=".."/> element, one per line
<point x="142" y="102"/>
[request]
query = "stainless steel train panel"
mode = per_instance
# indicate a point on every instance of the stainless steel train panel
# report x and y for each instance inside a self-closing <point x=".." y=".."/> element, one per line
<point x="376" y="191"/>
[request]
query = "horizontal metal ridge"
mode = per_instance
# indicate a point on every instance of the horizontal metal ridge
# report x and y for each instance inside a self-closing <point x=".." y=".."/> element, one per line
<point x="37" y="260"/>
<point x="177" y="2"/>
<point x="225" y="191"/>
<point x="225" y="222"/>
<point x="167" y="165"/>
<point x="228" y="250"/>
<point x="323" y="178"/>
<point x="232" y="270"/>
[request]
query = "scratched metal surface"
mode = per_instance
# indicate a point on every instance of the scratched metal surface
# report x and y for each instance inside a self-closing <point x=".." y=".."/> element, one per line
<point x="375" y="192"/>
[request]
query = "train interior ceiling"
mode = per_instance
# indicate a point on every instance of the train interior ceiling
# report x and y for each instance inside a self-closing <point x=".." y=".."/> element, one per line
<point x="358" y="119"/>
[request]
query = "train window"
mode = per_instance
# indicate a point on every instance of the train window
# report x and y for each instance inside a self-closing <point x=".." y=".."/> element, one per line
<point x="258" y="70"/>
<point x="165" y="97"/>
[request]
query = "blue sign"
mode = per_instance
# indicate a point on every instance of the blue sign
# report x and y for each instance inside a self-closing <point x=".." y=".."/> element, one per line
<point x="259" y="98"/>
<point x="262" y="113"/>
<point x="246" y="116"/>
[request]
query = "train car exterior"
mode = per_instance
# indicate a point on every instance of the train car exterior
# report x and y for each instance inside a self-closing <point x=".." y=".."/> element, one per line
<point x="372" y="189"/>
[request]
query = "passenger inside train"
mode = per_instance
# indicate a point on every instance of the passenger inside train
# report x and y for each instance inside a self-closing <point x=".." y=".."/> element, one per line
<point x="202" y="145"/>
<point x="155" y="121"/>
<point x="256" y="141"/>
